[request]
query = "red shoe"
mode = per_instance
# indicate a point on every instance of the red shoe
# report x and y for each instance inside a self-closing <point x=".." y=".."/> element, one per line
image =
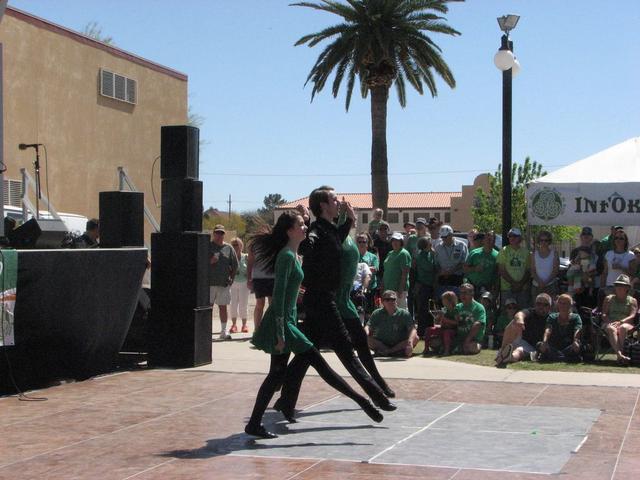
<point x="233" y="329"/>
<point x="245" y="329"/>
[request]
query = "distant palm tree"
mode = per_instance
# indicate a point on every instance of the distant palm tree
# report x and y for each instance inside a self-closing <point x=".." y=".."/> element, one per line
<point x="382" y="42"/>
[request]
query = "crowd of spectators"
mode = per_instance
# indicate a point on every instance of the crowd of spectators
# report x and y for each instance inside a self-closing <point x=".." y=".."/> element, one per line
<point x="463" y="296"/>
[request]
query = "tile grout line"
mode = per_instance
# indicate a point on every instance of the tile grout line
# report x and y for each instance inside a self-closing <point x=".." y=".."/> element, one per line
<point x="455" y="474"/>
<point x="308" y="407"/>
<point x="438" y="393"/>
<point x="537" y="395"/>
<point x="150" y="468"/>
<point x="416" y="432"/>
<point x="626" y="432"/>
<point x="123" y="429"/>
<point x="305" y="470"/>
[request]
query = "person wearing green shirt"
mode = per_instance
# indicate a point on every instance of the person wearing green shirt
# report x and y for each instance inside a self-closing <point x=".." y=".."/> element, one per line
<point x="349" y="260"/>
<point x="363" y="240"/>
<point x="396" y="269"/>
<point x="514" y="268"/>
<point x="561" y="340"/>
<point x="424" y="277"/>
<point x="391" y="330"/>
<point x="481" y="268"/>
<point x="472" y="320"/>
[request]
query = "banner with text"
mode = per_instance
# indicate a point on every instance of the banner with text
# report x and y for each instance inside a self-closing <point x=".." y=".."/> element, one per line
<point x="583" y="204"/>
<point x="8" y="282"/>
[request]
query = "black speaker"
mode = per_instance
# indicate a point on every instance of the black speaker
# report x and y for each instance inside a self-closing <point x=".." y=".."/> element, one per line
<point x="42" y="233"/>
<point x="181" y="337"/>
<point x="181" y="205"/>
<point x="179" y="270"/>
<point x="179" y="151"/>
<point x="121" y="219"/>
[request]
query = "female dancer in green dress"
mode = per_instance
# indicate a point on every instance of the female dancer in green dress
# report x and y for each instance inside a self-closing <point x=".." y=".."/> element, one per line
<point x="278" y="334"/>
<point x="349" y="313"/>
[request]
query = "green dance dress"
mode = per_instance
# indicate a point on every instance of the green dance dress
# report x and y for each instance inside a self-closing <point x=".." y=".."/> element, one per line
<point x="280" y="319"/>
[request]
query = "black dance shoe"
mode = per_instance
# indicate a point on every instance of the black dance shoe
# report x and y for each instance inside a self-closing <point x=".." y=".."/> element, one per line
<point x="388" y="392"/>
<point x="385" y="404"/>
<point x="373" y="412"/>
<point x="259" y="431"/>
<point x="289" y="415"/>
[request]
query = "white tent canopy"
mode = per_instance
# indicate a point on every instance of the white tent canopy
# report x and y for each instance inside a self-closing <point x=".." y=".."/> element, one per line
<point x="603" y="189"/>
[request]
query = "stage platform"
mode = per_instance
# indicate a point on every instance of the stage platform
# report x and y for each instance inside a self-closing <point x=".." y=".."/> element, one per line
<point x="162" y="424"/>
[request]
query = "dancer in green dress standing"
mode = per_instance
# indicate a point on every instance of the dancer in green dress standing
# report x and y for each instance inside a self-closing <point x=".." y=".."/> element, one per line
<point x="278" y="334"/>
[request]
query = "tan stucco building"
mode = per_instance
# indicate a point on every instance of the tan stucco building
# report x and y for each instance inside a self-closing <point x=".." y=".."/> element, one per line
<point x="94" y="106"/>
<point x="461" y="206"/>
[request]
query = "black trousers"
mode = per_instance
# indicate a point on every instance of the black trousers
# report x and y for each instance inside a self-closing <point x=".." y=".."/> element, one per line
<point x="276" y="375"/>
<point x="325" y="328"/>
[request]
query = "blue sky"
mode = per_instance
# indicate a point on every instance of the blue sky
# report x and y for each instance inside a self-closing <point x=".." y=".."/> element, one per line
<point x="577" y="93"/>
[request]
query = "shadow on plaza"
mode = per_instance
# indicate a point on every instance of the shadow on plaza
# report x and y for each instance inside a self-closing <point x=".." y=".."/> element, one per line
<point x="242" y="442"/>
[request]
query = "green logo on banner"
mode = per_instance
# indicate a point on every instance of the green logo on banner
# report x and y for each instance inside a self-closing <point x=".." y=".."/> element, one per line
<point x="547" y="204"/>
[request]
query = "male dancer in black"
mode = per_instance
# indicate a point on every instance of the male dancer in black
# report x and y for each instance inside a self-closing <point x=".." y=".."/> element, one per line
<point x="321" y="253"/>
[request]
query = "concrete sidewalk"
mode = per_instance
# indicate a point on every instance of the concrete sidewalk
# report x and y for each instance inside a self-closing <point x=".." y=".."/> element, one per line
<point x="238" y="356"/>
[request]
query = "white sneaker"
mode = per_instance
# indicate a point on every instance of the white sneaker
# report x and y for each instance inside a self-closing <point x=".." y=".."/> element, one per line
<point x="534" y="356"/>
<point x="224" y="336"/>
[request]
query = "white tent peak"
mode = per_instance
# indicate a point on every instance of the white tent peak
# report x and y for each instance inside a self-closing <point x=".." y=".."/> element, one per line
<point x="617" y="164"/>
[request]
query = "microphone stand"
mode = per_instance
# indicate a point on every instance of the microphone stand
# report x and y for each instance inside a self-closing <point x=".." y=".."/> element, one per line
<point x="36" y="166"/>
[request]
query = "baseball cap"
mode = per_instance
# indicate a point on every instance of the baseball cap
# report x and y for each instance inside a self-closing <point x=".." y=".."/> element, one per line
<point x="510" y="301"/>
<point x="389" y="294"/>
<point x="515" y="231"/>
<point x="421" y="220"/>
<point x="446" y="230"/>
<point x="487" y="295"/>
<point x="586" y="231"/>
<point x="219" y="228"/>
<point x="411" y="224"/>
<point x="397" y="236"/>
<point x="383" y="224"/>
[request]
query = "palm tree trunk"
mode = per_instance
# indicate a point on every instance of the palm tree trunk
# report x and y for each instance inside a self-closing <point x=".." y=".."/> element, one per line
<point x="379" y="171"/>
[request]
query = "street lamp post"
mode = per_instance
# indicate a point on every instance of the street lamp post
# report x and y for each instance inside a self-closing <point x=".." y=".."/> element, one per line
<point x="507" y="63"/>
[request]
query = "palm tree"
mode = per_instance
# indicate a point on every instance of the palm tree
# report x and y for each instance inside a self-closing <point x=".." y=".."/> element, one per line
<point x="382" y="42"/>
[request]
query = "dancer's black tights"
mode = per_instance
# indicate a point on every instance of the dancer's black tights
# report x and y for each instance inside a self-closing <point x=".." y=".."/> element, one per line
<point x="276" y="375"/>
<point x="358" y="338"/>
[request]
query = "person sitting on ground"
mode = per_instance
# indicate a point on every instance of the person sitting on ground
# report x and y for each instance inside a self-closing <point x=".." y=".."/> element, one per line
<point x="618" y="316"/>
<point x="390" y="329"/>
<point x="396" y="270"/>
<point x="374" y="224"/>
<point x="89" y="239"/>
<point x="561" y="340"/>
<point x="472" y="320"/>
<point x="446" y="325"/>
<point x="524" y="332"/>
<point x="505" y="318"/>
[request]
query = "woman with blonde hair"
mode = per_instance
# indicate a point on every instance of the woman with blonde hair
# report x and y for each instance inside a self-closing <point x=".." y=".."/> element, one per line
<point x="239" y="290"/>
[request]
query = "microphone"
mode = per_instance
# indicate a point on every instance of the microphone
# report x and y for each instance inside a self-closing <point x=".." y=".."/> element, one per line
<point x="24" y="146"/>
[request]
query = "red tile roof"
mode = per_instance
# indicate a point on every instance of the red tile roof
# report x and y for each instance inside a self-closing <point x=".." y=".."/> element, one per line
<point x="401" y="200"/>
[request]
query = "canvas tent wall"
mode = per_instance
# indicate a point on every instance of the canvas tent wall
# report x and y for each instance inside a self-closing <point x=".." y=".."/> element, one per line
<point x="602" y="189"/>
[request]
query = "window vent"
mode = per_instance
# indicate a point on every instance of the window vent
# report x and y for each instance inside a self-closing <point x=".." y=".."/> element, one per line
<point x="13" y="193"/>
<point x="118" y="87"/>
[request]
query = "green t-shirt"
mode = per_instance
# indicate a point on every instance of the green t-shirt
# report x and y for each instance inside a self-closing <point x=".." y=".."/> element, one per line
<point x="411" y="245"/>
<point x="393" y="265"/>
<point x="475" y="312"/>
<point x="562" y="335"/>
<point x="371" y="259"/>
<point x="516" y="262"/>
<point x="487" y="277"/>
<point x="426" y="267"/>
<point x="390" y="329"/>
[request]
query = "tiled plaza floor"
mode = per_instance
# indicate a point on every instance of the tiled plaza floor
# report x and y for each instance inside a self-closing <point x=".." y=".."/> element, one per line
<point x="163" y="424"/>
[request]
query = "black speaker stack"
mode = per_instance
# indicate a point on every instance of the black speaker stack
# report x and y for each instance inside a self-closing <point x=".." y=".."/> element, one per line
<point x="180" y="310"/>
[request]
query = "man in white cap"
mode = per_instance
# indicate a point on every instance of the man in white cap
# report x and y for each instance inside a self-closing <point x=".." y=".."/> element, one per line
<point x="515" y="270"/>
<point x="450" y="257"/>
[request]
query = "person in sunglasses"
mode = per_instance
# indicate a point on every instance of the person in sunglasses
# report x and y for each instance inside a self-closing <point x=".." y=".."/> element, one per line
<point x="391" y="331"/>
